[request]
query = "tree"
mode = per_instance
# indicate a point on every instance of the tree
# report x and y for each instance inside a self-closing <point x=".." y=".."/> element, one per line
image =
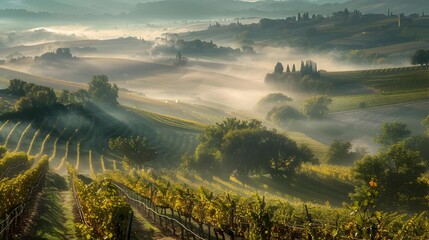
<point x="284" y="114"/>
<point x="420" y="57"/>
<point x="247" y="147"/>
<point x="339" y="151"/>
<point x="288" y="69"/>
<point x="32" y="96"/>
<point x="16" y="87"/>
<point x="293" y="68"/>
<point x="278" y="68"/>
<point x="397" y="172"/>
<point x="63" y="53"/>
<point x="342" y="152"/>
<point x="275" y="98"/>
<point x="134" y="149"/>
<point x="260" y="150"/>
<point x="420" y="144"/>
<point x="391" y="133"/>
<point x="316" y="106"/>
<point x="180" y="60"/>
<point x="101" y="91"/>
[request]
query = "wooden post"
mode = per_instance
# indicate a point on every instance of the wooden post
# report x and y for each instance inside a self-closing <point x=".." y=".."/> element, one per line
<point x="130" y="221"/>
<point x="172" y="226"/>
<point x="209" y="231"/>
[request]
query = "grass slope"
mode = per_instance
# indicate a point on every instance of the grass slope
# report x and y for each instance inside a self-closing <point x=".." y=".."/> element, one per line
<point x="55" y="219"/>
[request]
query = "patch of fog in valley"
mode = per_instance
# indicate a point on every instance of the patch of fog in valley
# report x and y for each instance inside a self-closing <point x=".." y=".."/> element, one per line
<point x="236" y="83"/>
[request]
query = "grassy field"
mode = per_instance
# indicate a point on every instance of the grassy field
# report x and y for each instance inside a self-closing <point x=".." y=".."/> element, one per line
<point x="170" y="120"/>
<point x="342" y="103"/>
<point x="381" y="80"/>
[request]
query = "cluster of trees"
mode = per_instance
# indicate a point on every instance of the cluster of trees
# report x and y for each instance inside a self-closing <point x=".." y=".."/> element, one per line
<point x="281" y="112"/>
<point x="32" y="96"/>
<point x="180" y="59"/>
<point x="309" y="68"/>
<point x="59" y="54"/>
<point x="135" y="149"/>
<point x="306" y="79"/>
<point x="420" y="57"/>
<point x="397" y="169"/>
<point x="391" y="133"/>
<point x="272" y="100"/>
<point x="247" y="147"/>
<point x="284" y="114"/>
<point x="279" y="69"/>
<point x="198" y="48"/>
<point x="100" y="91"/>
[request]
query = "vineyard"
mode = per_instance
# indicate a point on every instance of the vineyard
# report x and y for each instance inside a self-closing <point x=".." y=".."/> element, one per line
<point x="81" y="139"/>
<point x="199" y="213"/>
<point x="18" y="192"/>
<point x="106" y="203"/>
<point x="108" y="197"/>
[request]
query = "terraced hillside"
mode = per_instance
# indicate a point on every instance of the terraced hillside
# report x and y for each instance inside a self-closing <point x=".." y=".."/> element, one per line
<point x="80" y="138"/>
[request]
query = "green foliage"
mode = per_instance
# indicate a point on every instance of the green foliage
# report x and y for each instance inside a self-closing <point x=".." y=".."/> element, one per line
<point x="205" y="157"/>
<point x="32" y="96"/>
<point x="134" y="149"/>
<point x="79" y="97"/>
<point x="316" y="106"/>
<point x="341" y="152"/>
<point x="14" y="163"/>
<point x="101" y="91"/>
<point x="398" y="172"/>
<point x="105" y="212"/>
<point x="391" y="133"/>
<point x="420" y="57"/>
<point x="420" y="144"/>
<point x="16" y="87"/>
<point x="260" y="220"/>
<point x="247" y="147"/>
<point x="275" y="98"/>
<point x="14" y="191"/>
<point x="367" y="219"/>
<point x="284" y="114"/>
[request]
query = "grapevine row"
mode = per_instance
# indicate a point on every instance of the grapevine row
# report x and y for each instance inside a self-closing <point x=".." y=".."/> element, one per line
<point x="14" y="163"/>
<point x="255" y="217"/>
<point x="104" y="214"/>
<point x="17" y="194"/>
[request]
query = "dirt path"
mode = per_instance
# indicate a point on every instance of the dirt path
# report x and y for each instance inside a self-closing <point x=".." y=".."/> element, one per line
<point x="55" y="220"/>
<point x="142" y="229"/>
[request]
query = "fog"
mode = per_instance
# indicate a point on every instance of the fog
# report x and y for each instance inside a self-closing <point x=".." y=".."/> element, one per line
<point x="229" y="84"/>
<point x="237" y="82"/>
